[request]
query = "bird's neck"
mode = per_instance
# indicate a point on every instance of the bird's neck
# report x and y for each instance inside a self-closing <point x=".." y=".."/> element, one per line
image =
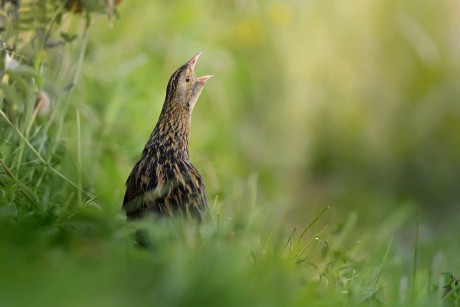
<point x="172" y="132"/>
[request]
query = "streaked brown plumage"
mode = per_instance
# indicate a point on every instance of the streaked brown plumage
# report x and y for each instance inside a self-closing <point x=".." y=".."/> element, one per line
<point x="164" y="181"/>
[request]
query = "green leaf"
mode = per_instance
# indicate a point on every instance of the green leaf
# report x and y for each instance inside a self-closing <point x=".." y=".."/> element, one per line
<point x="68" y="38"/>
<point x="10" y="93"/>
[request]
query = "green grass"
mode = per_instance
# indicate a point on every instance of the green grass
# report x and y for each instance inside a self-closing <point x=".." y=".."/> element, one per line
<point x="332" y="179"/>
<point x="239" y="261"/>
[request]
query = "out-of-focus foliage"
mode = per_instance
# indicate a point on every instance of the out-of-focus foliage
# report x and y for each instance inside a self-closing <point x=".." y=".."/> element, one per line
<point x="354" y="105"/>
<point x="38" y="76"/>
<point x="44" y="207"/>
<point x="314" y="103"/>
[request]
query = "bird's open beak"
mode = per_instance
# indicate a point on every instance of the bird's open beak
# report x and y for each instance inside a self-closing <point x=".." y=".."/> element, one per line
<point x="193" y="61"/>
<point x="192" y="64"/>
<point x="204" y="78"/>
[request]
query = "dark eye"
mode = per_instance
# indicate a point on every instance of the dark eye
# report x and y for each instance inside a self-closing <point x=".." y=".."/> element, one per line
<point x="187" y="79"/>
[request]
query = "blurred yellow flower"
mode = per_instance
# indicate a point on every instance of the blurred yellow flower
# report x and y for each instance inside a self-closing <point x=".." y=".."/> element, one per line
<point x="281" y="13"/>
<point x="249" y="33"/>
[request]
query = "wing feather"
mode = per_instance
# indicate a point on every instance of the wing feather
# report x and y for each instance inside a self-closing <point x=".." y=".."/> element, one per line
<point x="163" y="189"/>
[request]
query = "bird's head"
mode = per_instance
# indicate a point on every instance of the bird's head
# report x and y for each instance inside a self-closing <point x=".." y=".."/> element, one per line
<point x="184" y="88"/>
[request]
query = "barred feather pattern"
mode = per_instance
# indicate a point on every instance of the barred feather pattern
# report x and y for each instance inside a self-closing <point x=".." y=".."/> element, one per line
<point x="164" y="181"/>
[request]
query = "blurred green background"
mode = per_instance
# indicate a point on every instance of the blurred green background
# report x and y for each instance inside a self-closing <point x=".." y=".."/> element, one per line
<point x="314" y="103"/>
<point x="348" y="104"/>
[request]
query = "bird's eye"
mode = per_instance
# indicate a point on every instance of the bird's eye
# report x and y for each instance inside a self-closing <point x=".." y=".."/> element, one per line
<point x="187" y="79"/>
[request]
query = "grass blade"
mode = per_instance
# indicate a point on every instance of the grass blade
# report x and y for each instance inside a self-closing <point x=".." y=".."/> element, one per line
<point x="311" y="225"/>
<point x="382" y="264"/>
<point x="79" y="165"/>
<point x="42" y="160"/>
<point x="414" y="268"/>
<point x="22" y="188"/>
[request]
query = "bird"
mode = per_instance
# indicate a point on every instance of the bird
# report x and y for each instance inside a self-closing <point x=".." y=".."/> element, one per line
<point x="164" y="182"/>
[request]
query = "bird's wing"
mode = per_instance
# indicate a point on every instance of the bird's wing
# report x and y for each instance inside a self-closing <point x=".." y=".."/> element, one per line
<point x="163" y="189"/>
<point x="141" y="187"/>
<point x="197" y="193"/>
